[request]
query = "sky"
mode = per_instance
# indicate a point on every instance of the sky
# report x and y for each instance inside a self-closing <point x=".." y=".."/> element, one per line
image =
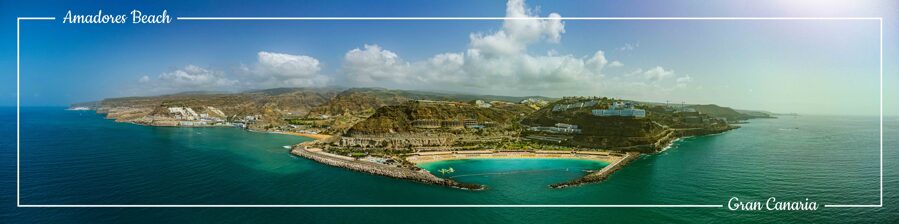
<point x="807" y="67"/>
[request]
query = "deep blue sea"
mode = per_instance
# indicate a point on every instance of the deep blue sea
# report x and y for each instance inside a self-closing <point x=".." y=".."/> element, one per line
<point x="78" y="157"/>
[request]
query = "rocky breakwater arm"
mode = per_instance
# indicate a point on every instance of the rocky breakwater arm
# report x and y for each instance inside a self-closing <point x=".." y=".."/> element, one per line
<point x="602" y="174"/>
<point x="379" y="169"/>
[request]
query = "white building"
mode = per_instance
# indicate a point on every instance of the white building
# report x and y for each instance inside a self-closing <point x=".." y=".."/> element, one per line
<point x="620" y="109"/>
<point x="563" y="125"/>
<point x="482" y="104"/>
<point x="183" y="113"/>
<point x="564" y="107"/>
<point x="561" y="128"/>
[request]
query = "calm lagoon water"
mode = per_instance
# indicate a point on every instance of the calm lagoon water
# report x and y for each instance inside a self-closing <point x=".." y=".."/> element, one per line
<point x="77" y="157"/>
<point x="506" y="176"/>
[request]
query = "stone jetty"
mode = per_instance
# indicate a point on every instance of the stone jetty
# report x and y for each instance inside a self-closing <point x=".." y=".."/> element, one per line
<point x="378" y="169"/>
<point x="602" y="174"/>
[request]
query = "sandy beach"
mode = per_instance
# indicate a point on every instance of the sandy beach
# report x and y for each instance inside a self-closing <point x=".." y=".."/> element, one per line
<point x="428" y="157"/>
<point x="308" y="135"/>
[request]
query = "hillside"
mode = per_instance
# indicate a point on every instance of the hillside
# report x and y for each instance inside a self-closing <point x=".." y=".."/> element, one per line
<point x="726" y="112"/>
<point x="596" y="132"/>
<point x="405" y="116"/>
<point x="272" y="105"/>
<point x="401" y="118"/>
<point x="364" y="101"/>
<point x="756" y="113"/>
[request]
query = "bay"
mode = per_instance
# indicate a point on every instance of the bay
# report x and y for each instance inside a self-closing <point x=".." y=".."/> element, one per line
<point x="78" y="157"/>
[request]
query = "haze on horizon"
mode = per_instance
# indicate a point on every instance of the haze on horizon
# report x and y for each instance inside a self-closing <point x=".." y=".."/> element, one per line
<point x="807" y="67"/>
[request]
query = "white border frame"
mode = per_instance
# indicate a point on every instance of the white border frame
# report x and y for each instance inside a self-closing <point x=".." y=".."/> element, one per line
<point x="18" y="105"/>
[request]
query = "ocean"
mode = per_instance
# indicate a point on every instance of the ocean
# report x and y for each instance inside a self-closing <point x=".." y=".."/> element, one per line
<point x="78" y="157"/>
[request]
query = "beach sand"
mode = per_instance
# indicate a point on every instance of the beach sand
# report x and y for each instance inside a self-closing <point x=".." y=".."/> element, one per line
<point x="308" y="135"/>
<point x="434" y="157"/>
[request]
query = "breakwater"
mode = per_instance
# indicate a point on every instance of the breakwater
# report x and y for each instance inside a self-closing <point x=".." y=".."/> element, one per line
<point x="426" y="157"/>
<point x="602" y="174"/>
<point x="422" y="176"/>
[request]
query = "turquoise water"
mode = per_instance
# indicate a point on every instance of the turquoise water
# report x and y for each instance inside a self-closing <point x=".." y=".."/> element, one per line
<point x="77" y="157"/>
<point x="514" y="175"/>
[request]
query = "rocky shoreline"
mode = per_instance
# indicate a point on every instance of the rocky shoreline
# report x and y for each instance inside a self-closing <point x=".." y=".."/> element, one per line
<point x="422" y="176"/>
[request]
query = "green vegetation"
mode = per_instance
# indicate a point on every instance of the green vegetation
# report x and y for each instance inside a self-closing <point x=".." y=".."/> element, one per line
<point x="400" y="118"/>
<point x="358" y="154"/>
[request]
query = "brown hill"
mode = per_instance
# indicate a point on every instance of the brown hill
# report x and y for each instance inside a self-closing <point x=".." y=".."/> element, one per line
<point x="364" y="101"/>
<point x="400" y="118"/>
<point x="272" y="104"/>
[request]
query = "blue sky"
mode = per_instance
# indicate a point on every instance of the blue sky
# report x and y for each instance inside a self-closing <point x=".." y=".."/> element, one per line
<point x="820" y="67"/>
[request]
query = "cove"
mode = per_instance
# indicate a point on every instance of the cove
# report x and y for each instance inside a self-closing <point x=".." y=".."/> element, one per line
<point x="510" y="174"/>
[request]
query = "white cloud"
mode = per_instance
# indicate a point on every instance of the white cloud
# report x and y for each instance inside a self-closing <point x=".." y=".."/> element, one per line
<point x="657" y="83"/>
<point x="615" y="64"/>
<point x="442" y="68"/>
<point x="287" y="66"/>
<point x="494" y="62"/>
<point x="270" y="70"/>
<point x="657" y="74"/>
<point x="628" y="47"/>
<point x="683" y="81"/>
<point x="189" y="78"/>
<point x="284" y="70"/>
<point x="517" y="34"/>
<point x="497" y="60"/>
<point x="374" y="64"/>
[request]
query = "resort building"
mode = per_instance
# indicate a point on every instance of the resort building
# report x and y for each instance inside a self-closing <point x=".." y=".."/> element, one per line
<point x="452" y="124"/>
<point x="566" y="126"/>
<point x="560" y="128"/>
<point x="482" y="104"/>
<point x="469" y="122"/>
<point x="620" y="109"/>
<point x="183" y="113"/>
<point x="426" y="123"/>
<point x="536" y="101"/>
<point x="564" y="107"/>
